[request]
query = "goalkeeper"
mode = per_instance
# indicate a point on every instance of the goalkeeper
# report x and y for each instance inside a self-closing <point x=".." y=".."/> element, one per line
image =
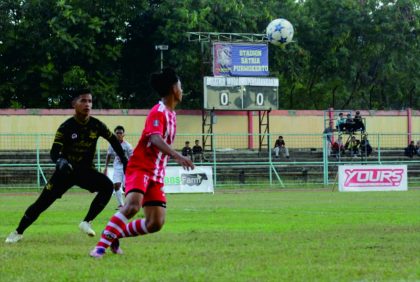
<point x="73" y="151"/>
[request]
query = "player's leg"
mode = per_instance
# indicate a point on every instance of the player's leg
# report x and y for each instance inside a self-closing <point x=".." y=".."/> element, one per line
<point x="118" y="194"/>
<point x="140" y="191"/>
<point x="154" y="218"/>
<point x="94" y="181"/>
<point x="53" y="190"/>
<point x="118" y="179"/>
<point x="276" y="151"/>
<point x="117" y="225"/>
<point x="136" y="185"/>
<point x="154" y="205"/>
<point x="286" y="152"/>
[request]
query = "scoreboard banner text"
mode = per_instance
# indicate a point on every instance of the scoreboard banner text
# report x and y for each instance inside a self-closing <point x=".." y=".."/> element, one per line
<point x="360" y="178"/>
<point x="240" y="59"/>
<point x="240" y="93"/>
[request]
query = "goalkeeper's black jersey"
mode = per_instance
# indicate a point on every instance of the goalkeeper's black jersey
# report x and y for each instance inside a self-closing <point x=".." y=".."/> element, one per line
<point x="76" y="141"/>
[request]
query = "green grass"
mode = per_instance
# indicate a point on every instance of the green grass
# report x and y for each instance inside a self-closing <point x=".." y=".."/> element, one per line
<point x="229" y="236"/>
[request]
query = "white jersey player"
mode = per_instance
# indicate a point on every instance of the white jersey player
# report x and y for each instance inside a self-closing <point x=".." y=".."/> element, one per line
<point x="118" y="177"/>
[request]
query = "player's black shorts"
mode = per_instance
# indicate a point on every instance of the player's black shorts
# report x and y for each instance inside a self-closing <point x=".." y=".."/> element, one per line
<point x="86" y="178"/>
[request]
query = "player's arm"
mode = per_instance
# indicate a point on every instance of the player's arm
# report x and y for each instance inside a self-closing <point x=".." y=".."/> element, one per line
<point x="55" y="152"/>
<point x="109" y="155"/>
<point x="116" y="145"/>
<point x="61" y="163"/>
<point x="158" y="141"/>
<point x="129" y="150"/>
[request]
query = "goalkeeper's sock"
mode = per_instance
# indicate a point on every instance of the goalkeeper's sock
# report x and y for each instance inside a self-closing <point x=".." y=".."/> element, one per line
<point x="113" y="230"/>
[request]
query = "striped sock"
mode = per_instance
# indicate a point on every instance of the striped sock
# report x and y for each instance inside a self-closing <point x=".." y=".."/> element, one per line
<point x="135" y="228"/>
<point x="113" y="230"/>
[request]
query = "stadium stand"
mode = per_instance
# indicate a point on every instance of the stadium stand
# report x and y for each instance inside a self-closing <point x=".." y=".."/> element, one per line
<point x="236" y="167"/>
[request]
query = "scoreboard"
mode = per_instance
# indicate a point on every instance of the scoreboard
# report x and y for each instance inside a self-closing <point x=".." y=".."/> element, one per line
<point x="240" y="93"/>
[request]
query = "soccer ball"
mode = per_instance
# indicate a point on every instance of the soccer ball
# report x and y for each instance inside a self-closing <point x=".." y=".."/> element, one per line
<point x="279" y="32"/>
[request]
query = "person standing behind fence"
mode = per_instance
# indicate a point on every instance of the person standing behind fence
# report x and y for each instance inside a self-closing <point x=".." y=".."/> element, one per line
<point x="349" y="125"/>
<point x="73" y="151"/>
<point x="365" y="147"/>
<point x="198" y="152"/>
<point x="118" y="175"/>
<point x="338" y="147"/>
<point x="418" y="148"/>
<point x="358" y="122"/>
<point x="341" y="122"/>
<point x="410" y="150"/>
<point x="146" y="170"/>
<point x="280" y="147"/>
<point x="328" y="133"/>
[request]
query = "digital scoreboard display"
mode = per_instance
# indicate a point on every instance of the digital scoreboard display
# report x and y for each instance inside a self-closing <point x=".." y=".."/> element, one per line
<point x="240" y="93"/>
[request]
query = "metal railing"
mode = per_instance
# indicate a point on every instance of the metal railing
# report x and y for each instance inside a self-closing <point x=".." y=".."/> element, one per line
<point x="235" y="158"/>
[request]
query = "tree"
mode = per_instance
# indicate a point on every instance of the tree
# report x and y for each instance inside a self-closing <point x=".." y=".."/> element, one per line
<point x="345" y="54"/>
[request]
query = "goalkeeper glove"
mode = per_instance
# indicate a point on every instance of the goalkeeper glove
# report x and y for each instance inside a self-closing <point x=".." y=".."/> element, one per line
<point x="63" y="166"/>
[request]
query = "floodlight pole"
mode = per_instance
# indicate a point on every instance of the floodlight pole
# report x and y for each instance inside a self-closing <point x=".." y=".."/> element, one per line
<point x="161" y="48"/>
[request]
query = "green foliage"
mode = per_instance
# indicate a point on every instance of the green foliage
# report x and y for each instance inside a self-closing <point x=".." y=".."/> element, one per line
<point x="346" y="54"/>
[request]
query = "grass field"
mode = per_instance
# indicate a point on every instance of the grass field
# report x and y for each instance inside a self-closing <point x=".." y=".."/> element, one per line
<point x="314" y="235"/>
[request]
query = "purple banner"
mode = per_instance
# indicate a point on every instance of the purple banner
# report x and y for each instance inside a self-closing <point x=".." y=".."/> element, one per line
<point x="240" y="59"/>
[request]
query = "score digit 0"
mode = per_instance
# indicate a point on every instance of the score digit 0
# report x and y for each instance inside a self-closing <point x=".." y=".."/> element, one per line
<point x="224" y="98"/>
<point x="259" y="99"/>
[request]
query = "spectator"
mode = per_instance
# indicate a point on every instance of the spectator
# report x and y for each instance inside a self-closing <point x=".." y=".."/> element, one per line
<point x="365" y="147"/>
<point x="410" y="151"/>
<point x="280" y="146"/>
<point x="341" y="122"/>
<point x="328" y="133"/>
<point x="187" y="151"/>
<point x="353" y="146"/>
<point x="338" y="147"/>
<point x="349" y="125"/>
<point x="358" y="122"/>
<point x="418" y="148"/>
<point x="197" y="151"/>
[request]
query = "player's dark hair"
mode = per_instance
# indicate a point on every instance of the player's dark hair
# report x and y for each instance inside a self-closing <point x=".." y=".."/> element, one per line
<point x="162" y="82"/>
<point x="119" y="127"/>
<point x="80" y="91"/>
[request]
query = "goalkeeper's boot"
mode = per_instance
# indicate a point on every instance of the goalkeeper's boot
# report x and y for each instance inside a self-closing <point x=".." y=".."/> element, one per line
<point x="86" y="227"/>
<point x="115" y="247"/>
<point x="14" y="237"/>
<point x="97" y="252"/>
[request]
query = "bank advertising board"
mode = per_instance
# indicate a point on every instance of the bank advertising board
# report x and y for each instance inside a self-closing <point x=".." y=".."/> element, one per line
<point x="359" y="178"/>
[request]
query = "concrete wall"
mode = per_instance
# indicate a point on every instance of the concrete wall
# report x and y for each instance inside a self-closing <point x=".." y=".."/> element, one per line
<point x="34" y="121"/>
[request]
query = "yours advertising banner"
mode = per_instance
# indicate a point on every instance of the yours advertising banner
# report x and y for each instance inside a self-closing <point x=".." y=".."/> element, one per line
<point x="360" y="178"/>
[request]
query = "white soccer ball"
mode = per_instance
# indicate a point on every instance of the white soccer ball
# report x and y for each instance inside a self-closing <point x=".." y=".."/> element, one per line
<point x="279" y="32"/>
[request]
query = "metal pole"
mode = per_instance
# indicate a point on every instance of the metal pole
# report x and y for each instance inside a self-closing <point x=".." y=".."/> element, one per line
<point x="161" y="48"/>
<point x="161" y="60"/>
<point x="38" y="164"/>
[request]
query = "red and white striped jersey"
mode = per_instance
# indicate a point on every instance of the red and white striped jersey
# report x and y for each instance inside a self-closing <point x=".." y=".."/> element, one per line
<point x="147" y="157"/>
